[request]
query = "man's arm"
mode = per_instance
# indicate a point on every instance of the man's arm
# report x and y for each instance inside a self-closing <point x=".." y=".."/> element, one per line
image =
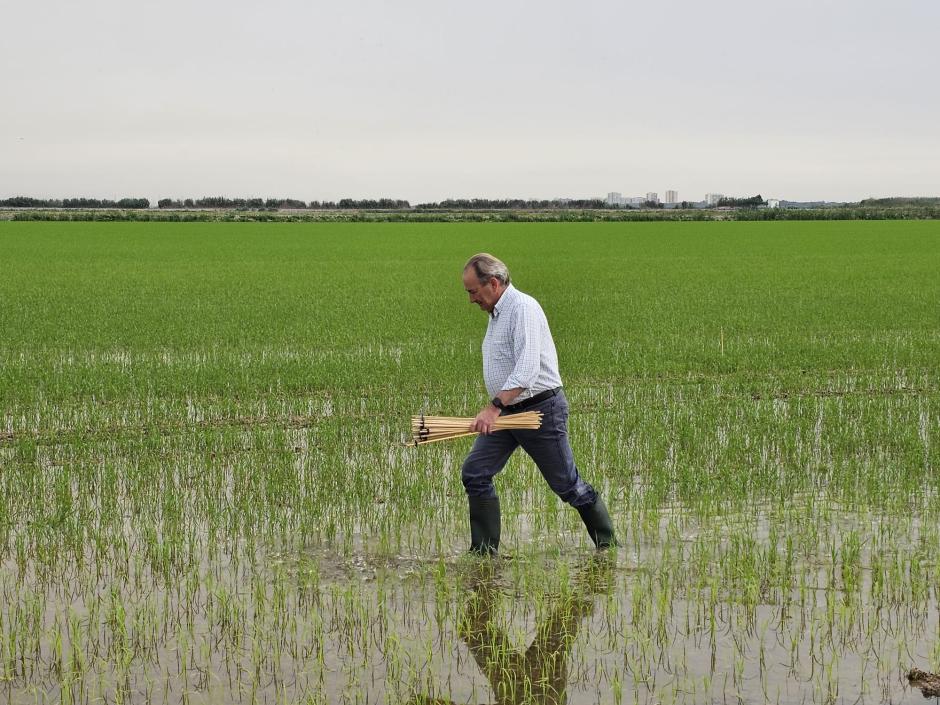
<point x="483" y="423"/>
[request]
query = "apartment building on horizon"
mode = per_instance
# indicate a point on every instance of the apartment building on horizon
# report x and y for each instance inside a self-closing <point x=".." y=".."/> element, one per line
<point x="711" y="199"/>
<point x="615" y="198"/>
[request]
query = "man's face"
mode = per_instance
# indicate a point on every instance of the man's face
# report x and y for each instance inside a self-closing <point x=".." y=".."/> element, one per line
<point x="484" y="294"/>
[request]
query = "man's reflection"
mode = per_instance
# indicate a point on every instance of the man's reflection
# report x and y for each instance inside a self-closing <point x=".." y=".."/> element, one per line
<point x="539" y="675"/>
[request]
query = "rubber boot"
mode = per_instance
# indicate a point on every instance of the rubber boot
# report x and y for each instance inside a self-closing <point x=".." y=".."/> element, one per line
<point x="598" y="523"/>
<point x="484" y="525"/>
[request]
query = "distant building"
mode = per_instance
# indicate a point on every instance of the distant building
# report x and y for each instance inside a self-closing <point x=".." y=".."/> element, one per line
<point x="773" y="202"/>
<point x="635" y="201"/>
<point x="652" y="196"/>
<point x="671" y="197"/>
<point x="614" y="199"/>
<point x="711" y="199"/>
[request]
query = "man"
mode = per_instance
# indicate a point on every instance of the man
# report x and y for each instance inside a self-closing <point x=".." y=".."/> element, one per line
<point x="520" y="369"/>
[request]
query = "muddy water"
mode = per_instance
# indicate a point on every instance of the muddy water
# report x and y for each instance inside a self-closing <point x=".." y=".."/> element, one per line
<point x="686" y="611"/>
<point x="311" y="627"/>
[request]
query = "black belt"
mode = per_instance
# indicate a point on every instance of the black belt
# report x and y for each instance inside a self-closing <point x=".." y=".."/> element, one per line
<point x="532" y="401"/>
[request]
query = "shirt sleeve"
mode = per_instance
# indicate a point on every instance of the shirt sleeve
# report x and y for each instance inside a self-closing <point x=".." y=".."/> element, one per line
<point x="526" y="343"/>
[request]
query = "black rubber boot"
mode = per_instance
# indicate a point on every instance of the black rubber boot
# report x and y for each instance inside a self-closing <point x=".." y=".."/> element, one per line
<point x="484" y="525"/>
<point x="598" y="523"/>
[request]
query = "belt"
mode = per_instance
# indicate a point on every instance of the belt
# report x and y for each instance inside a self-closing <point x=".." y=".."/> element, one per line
<point x="532" y="401"/>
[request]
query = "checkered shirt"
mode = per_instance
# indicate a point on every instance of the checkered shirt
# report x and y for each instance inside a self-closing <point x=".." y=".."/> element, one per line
<point x="518" y="350"/>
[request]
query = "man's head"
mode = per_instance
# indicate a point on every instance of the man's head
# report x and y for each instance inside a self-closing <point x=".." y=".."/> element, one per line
<point x="485" y="278"/>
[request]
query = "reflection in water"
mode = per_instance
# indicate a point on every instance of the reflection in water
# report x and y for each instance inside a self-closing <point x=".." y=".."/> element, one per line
<point x="539" y="675"/>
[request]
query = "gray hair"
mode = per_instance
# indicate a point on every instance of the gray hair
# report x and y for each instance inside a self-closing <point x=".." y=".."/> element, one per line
<point x="485" y="266"/>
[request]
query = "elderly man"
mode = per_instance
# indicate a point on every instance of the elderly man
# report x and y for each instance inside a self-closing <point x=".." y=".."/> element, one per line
<point x="520" y="369"/>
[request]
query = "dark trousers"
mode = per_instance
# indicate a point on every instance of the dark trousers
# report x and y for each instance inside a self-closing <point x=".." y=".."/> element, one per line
<point x="548" y="446"/>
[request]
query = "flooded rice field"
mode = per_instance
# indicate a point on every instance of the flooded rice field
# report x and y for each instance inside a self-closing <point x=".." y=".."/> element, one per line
<point x="254" y="563"/>
<point x="205" y="497"/>
<point x="738" y="617"/>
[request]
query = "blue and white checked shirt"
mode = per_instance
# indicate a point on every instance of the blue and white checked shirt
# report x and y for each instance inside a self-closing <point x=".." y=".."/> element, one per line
<point x="518" y="350"/>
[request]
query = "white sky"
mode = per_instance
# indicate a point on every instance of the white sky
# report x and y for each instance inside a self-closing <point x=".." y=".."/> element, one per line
<point x="426" y="100"/>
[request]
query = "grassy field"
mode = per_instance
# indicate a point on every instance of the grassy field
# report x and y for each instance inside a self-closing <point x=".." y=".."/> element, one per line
<point x="204" y="497"/>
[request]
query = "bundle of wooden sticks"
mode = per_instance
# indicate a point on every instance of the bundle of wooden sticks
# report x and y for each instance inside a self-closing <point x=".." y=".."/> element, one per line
<point x="429" y="429"/>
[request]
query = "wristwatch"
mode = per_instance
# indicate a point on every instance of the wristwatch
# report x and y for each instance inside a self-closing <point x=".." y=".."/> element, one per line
<point x="497" y="402"/>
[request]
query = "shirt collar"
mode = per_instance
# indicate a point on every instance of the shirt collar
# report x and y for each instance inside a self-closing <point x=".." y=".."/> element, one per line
<point x="508" y="294"/>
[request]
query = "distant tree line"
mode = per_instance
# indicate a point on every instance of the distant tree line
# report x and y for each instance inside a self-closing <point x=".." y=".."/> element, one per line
<point x="273" y="204"/>
<point x="751" y="202"/>
<point x="281" y="203"/>
<point x="216" y="202"/>
<point x="369" y="204"/>
<point x="457" y="210"/>
<point x="236" y="203"/>
<point x="507" y="203"/>
<point x="496" y="215"/>
<point x="260" y="204"/>
<point x="380" y="204"/>
<point x="900" y="202"/>
<point x="27" y="202"/>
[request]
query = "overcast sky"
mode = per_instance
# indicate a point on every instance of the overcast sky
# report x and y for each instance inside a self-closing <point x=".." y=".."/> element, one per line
<point x="428" y="100"/>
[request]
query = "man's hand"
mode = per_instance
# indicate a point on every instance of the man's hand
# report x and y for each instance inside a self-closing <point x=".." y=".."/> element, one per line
<point x="483" y="423"/>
